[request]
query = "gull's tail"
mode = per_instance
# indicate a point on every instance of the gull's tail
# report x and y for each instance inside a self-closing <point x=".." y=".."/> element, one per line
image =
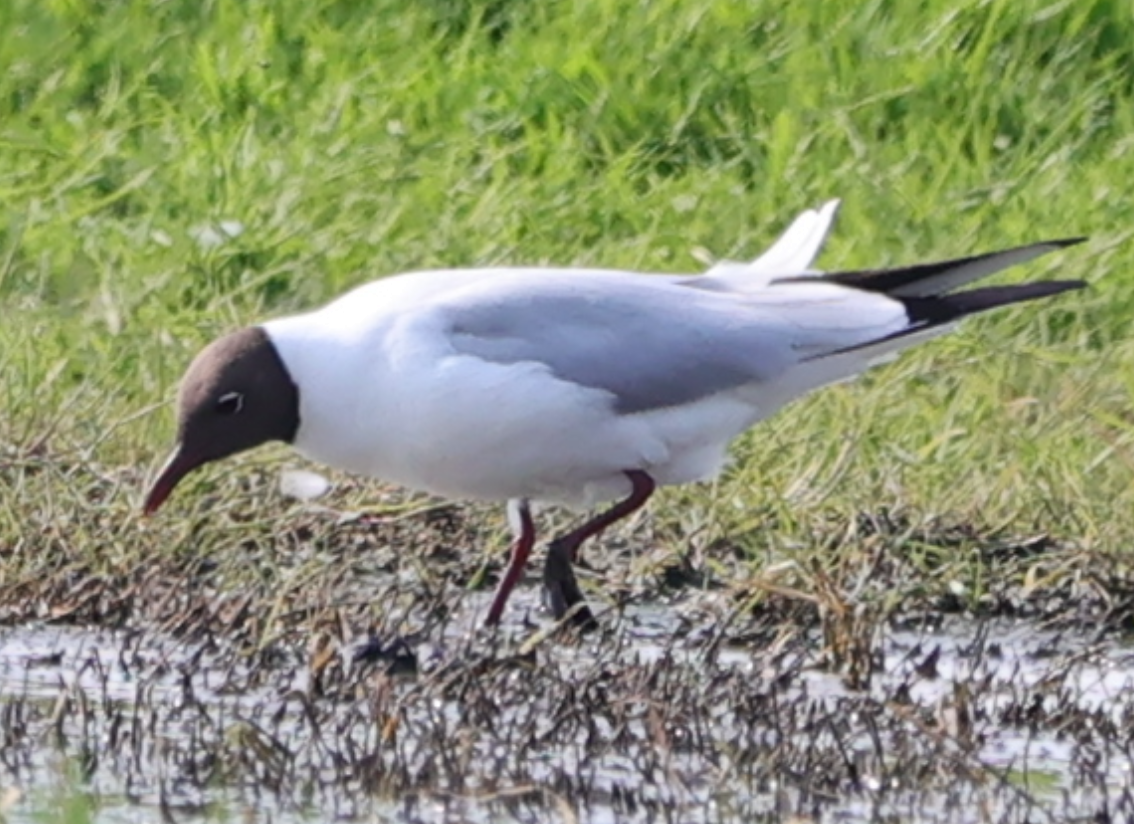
<point x="791" y="255"/>
<point x="796" y="249"/>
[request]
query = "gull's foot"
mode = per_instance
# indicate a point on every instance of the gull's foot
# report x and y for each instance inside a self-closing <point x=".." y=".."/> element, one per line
<point x="397" y="655"/>
<point x="563" y="594"/>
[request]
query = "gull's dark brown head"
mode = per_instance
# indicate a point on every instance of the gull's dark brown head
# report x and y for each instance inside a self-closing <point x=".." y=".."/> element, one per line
<point x="236" y="394"/>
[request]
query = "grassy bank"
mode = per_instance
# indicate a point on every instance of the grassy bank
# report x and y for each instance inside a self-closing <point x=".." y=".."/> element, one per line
<point x="171" y="170"/>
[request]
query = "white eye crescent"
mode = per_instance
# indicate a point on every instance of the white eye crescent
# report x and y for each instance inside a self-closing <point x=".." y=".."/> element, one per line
<point x="230" y="403"/>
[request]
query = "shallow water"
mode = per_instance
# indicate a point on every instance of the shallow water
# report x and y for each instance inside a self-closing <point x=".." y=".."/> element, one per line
<point x="1003" y="722"/>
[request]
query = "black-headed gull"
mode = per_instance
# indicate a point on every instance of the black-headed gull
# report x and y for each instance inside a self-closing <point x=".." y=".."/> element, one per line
<point x="564" y="385"/>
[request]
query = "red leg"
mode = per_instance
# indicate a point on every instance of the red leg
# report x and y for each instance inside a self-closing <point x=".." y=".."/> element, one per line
<point x="559" y="577"/>
<point x="521" y="549"/>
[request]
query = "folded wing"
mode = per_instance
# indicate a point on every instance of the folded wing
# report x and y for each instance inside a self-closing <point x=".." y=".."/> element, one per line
<point x="659" y="345"/>
<point x="653" y="343"/>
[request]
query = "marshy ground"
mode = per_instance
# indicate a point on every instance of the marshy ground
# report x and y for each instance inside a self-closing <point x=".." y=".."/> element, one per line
<point x="199" y="687"/>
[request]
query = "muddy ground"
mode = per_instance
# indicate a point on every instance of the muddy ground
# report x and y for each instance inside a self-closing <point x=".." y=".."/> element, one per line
<point x="206" y="685"/>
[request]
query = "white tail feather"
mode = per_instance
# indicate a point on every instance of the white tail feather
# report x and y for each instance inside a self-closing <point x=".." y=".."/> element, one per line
<point x="790" y="256"/>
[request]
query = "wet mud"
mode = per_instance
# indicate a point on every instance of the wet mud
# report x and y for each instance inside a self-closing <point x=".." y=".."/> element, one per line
<point x="966" y="721"/>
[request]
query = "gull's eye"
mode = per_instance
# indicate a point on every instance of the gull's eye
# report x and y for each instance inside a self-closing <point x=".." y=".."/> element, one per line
<point x="230" y="403"/>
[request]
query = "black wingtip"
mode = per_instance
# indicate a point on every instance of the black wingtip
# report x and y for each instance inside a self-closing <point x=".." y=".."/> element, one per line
<point x="939" y="277"/>
<point x="1063" y="243"/>
<point x="936" y="310"/>
<point x="947" y="308"/>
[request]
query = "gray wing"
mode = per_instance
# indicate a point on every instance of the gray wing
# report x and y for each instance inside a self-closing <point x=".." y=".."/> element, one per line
<point x="649" y="347"/>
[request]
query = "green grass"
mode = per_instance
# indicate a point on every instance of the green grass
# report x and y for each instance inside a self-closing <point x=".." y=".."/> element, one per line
<point x="356" y="140"/>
